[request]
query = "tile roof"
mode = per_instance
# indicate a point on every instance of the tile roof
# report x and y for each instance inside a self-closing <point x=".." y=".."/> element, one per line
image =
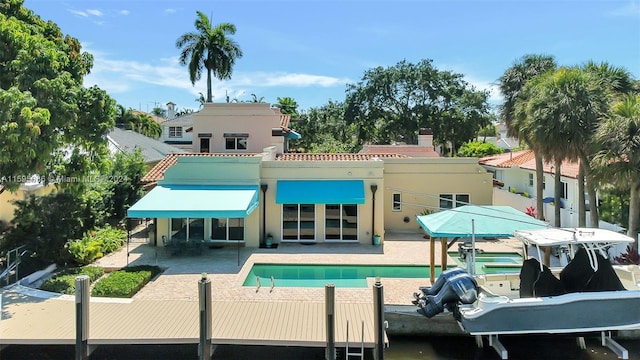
<point x="334" y="157"/>
<point x="155" y="118"/>
<point x="525" y="159"/>
<point x="157" y="172"/>
<point x="408" y="150"/>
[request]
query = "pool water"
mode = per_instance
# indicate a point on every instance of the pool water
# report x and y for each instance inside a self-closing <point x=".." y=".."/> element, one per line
<point x="355" y="276"/>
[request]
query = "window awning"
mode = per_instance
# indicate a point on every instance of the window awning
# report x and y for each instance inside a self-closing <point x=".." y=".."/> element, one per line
<point x="320" y="192"/>
<point x="182" y="201"/>
<point x="294" y="135"/>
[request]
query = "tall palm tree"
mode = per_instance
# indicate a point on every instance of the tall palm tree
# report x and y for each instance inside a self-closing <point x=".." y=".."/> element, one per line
<point x="511" y="85"/>
<point x="209" y="47"/>
<point x="569" y="104"/>
<point x="619" y="160"/>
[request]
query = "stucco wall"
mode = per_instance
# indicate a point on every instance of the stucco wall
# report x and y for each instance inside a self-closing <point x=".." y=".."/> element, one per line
<point x="421" y="181"/>
<point x="255" y="119"/>
<point x="371" y="172"/>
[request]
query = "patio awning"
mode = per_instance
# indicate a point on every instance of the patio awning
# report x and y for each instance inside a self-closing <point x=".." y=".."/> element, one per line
<point x="487" y="221"/>
<point x="294" y="135"/>
<point x="320" y="192"/>
<point x="182" y="201"/>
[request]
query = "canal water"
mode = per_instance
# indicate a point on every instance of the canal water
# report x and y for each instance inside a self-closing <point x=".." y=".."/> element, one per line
<point x="402" y="348"/>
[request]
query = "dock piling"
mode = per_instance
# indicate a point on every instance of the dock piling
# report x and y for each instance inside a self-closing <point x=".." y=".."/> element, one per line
<point x="330" y="306"/>
<point x="204" y="293"/>
<point x="378" y="320"/>
<point x="82" y="317"/>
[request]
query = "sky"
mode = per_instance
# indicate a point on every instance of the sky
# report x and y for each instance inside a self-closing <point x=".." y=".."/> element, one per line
<point x="310" y="50"/>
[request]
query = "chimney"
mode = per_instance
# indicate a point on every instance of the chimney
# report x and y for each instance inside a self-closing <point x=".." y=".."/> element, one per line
<point x="171" y="110"/>
<point x="425" y="137"/>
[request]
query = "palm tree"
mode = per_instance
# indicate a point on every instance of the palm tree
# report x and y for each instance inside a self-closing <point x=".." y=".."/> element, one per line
<point x="288" y="105"/>
<point x="569" y="104"/>
<point x="209" y="47"/>
<point x="619" y="159"/>
<point x="125" y="118"/>
<point x="511" y="84"/>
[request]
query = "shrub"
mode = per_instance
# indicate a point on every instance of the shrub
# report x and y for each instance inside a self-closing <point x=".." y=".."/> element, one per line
<point x="525" y="194"/>
<point x="126" y="282"/>
<point x="65" y="282"/>
<point x="96" y="243"/>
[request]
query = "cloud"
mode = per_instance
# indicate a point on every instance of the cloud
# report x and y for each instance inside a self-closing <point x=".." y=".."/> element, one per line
<point x="78" y="12"/>
<point x="120" y="76"/>
<point x="495" y="97"/>
<point x="632" y="8"/>
<point x="170" y="11"/>
<point x="86" y="13"/>
<point x="124" y="12"/>
<point x="94" y="12"/>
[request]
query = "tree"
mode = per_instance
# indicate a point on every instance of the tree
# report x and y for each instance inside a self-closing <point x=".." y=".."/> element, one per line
<point x="256" y="99"/>
<point x="512" y="83"/>
<point x="566" y="107"/>
<point x="324" y="130"/>
<point x="392" y="104"/>
<point x="140" y="123"/>
<point x="41" y="94"/>
<point x="209" y="47"/>
<point x="478" y="149"/>
<point x="288" y="105"/>
<point x="619" y="160"/>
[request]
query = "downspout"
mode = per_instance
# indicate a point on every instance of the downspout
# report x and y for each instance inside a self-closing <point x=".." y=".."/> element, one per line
<point x="374" y="188"/>
<point x="264" y="188"/>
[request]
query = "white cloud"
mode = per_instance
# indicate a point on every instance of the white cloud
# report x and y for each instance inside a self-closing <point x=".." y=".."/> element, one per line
<point x="170" y="11"/>
<point x="495" y="97"/>
<point x="94" y="12"/>
<point x="78" y="12"/>
<point x="123" y="12"/>
<point x="632" y="8"/>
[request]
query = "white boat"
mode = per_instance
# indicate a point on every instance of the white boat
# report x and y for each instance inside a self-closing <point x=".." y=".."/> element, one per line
<point x="586" y="295"/>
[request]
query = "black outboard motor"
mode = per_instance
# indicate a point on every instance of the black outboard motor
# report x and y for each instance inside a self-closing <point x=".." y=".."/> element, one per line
<point x="458" y="288"/>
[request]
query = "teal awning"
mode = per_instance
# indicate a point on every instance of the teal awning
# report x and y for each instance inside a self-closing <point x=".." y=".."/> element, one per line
<point x="320" y="192"/>
<point x="182" y="201"/>
<point x="293" y="135"/>
<point x="487" y="221"/>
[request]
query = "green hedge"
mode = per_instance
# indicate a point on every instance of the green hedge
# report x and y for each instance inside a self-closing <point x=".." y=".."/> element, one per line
<point x="126" y="282"/>
<point x="65" y="281"/>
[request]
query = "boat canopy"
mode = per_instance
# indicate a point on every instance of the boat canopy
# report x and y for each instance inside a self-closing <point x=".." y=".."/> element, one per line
<point x="571" y="236"/>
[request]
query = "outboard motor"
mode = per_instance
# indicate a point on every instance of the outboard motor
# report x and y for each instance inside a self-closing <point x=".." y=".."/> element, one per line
<point x="437" y="285"/>
<point x="458" y="288"/>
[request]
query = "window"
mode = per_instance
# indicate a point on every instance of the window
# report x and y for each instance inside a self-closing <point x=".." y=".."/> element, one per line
<point x="564" y="193"/>
<point x="531" y="180"/>
<point x="544" y="182"/>
<point x="449" y="201"/>
<point x="298" y="222"/>
<point x="227" y="229"/>
<point x="175" y="131"/>
<point x="341" y="221"/>
<point x="397" y="203"/>
<point x="236" y="141"/>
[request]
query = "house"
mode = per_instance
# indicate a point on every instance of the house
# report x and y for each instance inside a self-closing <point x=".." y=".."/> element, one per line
<point x="33" y="185"/>
<point x="247" y="186"/>
<point x="119" y="140"/>
<point x="424" y="148"/>
<point x="177" y="131"/>
<point x="240" y="128"/>
<point x="515" y="176"/>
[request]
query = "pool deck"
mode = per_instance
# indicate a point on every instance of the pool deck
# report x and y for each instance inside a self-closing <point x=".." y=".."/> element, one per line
<point x="30" y="317"/>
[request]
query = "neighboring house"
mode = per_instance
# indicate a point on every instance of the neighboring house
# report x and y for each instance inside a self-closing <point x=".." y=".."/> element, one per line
<point x="515" y="176"/>
<point x="32" y="186"/>
<point x="424" y="148"/>
<point x="240" y="184"/>
<point x="128" y="141"/>
<point x="178" y="132"/>
<point x="240" y="128"/>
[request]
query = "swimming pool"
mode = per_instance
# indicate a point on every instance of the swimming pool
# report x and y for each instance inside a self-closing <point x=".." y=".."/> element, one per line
<point x="308" y="275"/>
<point x="355" y="276"/>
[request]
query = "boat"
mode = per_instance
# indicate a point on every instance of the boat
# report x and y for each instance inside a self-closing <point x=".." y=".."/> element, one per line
<point x="585" y="294"/>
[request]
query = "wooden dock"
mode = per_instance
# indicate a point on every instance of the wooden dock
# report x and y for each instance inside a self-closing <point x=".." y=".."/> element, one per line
<point x="28" y="319"/>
